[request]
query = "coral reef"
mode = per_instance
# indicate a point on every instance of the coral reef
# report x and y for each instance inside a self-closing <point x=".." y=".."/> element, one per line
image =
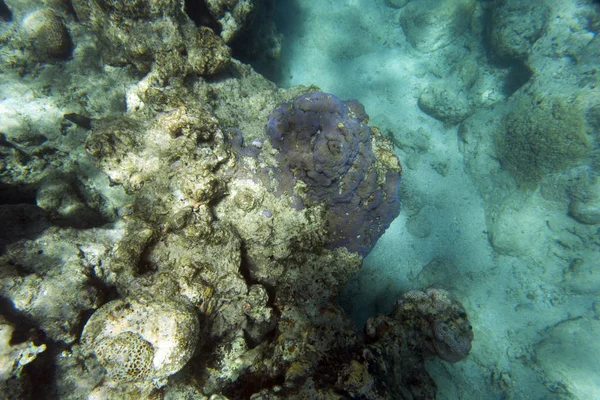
<point x="168" y="245"/>
<point x="220" y="277"/>
<point x="326" y="154"/>
<point x="541" y="135"/>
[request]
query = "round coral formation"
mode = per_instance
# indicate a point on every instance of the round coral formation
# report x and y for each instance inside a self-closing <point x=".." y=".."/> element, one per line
<point x="326" y="150"/>
<point x="541" y="136"/>
<point x="142" y="339"/>
<point x="48" y="35"/>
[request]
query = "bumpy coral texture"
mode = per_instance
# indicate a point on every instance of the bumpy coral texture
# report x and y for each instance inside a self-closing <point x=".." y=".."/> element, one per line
<point x="435" y="311"/>
<point x="325" y="147"/>
<point x="127" y="357"/>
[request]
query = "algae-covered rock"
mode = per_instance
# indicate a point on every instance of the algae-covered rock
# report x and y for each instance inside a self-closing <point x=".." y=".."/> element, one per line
<point x="515" y="26"/>
<point x="429" y="323"/>
<point x="541" y="135"/>
<point x="144" y="32"/>
<point x="445" y="104"/>
<point x="232" y="15"/>
<point x="208" y="54"/>
<point x="47" y="280"/>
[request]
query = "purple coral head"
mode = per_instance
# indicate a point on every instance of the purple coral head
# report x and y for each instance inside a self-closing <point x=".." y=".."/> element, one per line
<point x="323" y="142"/>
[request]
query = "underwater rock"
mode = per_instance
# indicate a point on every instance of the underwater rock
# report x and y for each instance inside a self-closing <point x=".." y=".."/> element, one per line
<point x="207" y="54"/>
<point x="445" y="104"/>
<point x="515" y="26"/>
<point x="586" y="212"/>
<point x="141" y="339"/>
<point x="422" y="324"/>
<point x="433" y="24"/>
<point x="582" y="278"/>
<point x="66" y="204"/>
<point x="513" y="230"/>
<point x="326" y="149"/>
<point x="48" y="35"/>
<point x="47" y="279"/>
<point x="585" y="202"/>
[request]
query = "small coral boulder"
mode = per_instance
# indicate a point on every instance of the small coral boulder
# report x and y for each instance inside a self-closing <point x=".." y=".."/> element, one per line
<point x="142" y="339"/>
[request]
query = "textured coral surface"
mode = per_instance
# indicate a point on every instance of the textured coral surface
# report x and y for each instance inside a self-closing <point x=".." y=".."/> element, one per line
<point x="325" y="144"/>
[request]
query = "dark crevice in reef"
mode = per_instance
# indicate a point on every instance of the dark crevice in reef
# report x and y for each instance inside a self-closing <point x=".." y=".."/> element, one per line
<point x="42" y="369"/>
<point x="199" y="13"/>
<point x="17" y="194"/>
<point x="261" y="42"/>
<point x="251" y="383"/>
<point x="518" y="75"/>
<point x="5" y="14"/>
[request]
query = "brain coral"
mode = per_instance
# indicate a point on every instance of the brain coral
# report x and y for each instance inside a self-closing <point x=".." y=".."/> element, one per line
<point x="326" y="153"/>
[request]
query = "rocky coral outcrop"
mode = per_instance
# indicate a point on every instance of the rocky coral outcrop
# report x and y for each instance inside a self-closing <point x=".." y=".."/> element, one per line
<point x="515" y="26"/>
<point x="326" y="147"/>
<point x="144" y="32"/>
<point x="231" y="15"/>
<point x="430" y="321"/>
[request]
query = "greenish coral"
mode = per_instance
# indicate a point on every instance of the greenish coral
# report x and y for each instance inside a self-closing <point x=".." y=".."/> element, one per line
<point x="540" y="136"/>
